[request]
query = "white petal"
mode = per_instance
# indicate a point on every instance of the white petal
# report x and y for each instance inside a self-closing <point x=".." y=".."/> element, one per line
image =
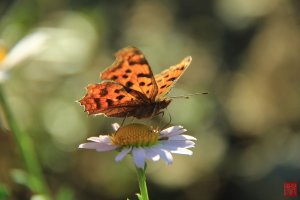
<point x="171" y="131"/>
<point x="89" y="145"/>
<point x="94" y="139"/>
<point x="164" y="154"/>
<point x="101" y="139"/>
<point x="178" y="143"/>
<point x="182" y="137"/>
<point x="105" y="138"/>
<point x="106" y="148"/>
<point x="139" y="157"/>
<point x="29" y="46"/>
<point x="97" y="146"/>
<point x="182" y="151"/>
<point x="152" y="155"/>
<point x="115" y="126"/>
<point x="122" y="154"/>
<point x="178" y="132"/>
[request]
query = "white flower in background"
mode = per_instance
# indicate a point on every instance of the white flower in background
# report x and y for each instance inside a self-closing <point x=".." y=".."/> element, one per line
<point x="25" y="49"/>
<point x="143" y="142"/>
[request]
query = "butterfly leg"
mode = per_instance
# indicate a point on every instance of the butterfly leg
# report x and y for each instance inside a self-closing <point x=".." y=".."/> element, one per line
<point x="162" y="117"/>
<point x="162" y="114"/>
<point x="124" y="120"/>
<point x="169" y="122"/>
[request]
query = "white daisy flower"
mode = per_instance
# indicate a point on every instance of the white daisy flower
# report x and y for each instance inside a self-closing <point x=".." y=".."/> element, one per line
<point x="26" y="48"/>
<point x="143" y="143"/>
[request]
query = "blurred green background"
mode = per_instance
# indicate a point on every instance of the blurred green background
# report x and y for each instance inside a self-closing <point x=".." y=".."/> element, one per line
<point x="246" y="55"/>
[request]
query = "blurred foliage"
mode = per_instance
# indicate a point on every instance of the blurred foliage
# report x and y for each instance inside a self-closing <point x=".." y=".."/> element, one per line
<point x="245" y="54"/>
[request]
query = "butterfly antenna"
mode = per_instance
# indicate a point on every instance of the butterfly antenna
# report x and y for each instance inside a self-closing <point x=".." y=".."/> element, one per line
<point x="188" y="95"/>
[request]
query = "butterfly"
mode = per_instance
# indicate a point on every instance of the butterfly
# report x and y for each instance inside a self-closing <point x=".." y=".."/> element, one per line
<point x="129" y="88"/>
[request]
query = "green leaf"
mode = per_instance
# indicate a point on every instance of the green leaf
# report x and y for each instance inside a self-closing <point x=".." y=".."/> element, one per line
<point x="4" y="193"/>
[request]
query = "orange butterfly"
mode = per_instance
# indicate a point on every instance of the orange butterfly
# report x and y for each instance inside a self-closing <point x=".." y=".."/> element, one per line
<point x="130" y="89"/>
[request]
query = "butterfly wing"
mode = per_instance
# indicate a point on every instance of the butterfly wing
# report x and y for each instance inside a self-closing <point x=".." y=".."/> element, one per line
<point x="167" y="78"/>
<point x="131" y="69"/>
<point x="110" y="99"/>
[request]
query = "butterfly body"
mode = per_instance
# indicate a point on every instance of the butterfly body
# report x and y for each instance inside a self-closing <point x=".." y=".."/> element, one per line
<point x="144" y="110"/>
<point x="149" y="109"/>
<point x="129" y="88"/>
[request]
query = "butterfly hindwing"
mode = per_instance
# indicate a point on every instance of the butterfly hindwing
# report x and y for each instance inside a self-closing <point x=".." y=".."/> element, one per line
<point x="108" y="98"/>
<point x="167" y="78"/>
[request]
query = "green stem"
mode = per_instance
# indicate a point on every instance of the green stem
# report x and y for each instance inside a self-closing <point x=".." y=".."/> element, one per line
<point x="36" y="179"/>
<point x="142" y="183"/>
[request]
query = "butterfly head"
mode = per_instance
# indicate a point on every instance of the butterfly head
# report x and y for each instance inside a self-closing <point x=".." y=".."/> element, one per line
<point x="160" y="105"/>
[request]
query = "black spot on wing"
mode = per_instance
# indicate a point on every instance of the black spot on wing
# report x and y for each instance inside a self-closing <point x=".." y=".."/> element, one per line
<point x="144" y="75"/>
<point x="97" y="101"/>
<point x="120" y="97"/>
<point x="127" y="89"/>
<point x="114" y="77"/>
<point x="172" y="79"/>
<point x="109" y="102"/>
<point x="128" y="71"/>
<point x="163" y="86"/>
<point x="103" y="92"/>
<point x="138" y="62"/>
<point x="142" y="83"/>
<point x="117" y="91"/>
<point x="149" y="84"/>
<point x="125" y="76"/>
<point x="129" y="84"/>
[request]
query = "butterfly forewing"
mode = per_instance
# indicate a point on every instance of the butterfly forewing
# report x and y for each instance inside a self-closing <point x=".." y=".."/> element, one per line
<point x="167" y="78"/>
<point x="131" y="69"/>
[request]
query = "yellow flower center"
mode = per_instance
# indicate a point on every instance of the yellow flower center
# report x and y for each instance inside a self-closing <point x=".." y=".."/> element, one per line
<point x="2" y="54"/>
<point x="135" y="135"/>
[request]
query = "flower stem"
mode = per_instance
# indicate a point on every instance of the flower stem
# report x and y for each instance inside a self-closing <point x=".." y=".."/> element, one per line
<point x="37" y="182"/>
<point x="142" y="183"/>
